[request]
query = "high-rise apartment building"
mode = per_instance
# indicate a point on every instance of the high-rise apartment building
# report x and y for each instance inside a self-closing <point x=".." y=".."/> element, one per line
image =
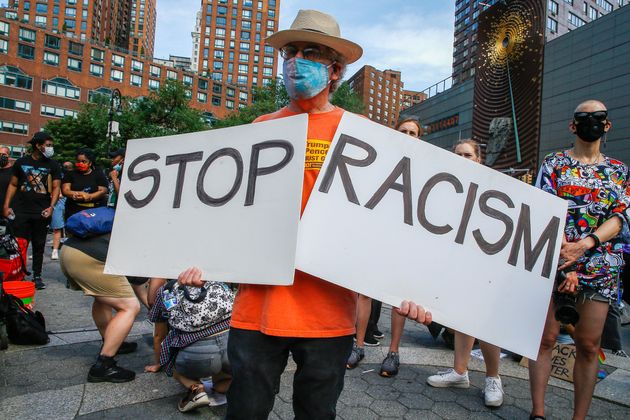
<point x="196" y="41"/>
<point x="381" y="92"/>
<point x="411" y="97"/>
<point x="232" y="48"/>
<point x="142" y="27"/>
<point x="562" y="17"/>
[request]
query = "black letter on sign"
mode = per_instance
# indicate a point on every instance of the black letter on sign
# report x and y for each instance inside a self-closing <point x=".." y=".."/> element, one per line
<point x="402" y="168"/>
<point x="182" y="160"/>
<point x="523" y="230"/>
<point x="201" y="193"/>
<point x="493" y="248"/>
<point x="463" y="224"/>
<point x="137" y="176"/>
<point x="255" y="171"/>
<point x="339" y="161"/>
<point x="422" y="201"/>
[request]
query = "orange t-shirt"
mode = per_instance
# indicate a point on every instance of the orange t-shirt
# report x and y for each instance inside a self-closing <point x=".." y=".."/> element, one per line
<point x="311" y="307"/>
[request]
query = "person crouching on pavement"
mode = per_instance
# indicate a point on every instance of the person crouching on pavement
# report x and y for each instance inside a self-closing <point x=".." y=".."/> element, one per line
<point x="312" y="319"/>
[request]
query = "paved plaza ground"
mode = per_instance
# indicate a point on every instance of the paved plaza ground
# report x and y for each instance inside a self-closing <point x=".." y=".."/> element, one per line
<point x="50" y="381"/>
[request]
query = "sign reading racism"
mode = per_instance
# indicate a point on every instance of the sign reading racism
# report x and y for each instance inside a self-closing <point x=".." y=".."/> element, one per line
<point x="226" y="201"/>
<point x="397" y="219"/>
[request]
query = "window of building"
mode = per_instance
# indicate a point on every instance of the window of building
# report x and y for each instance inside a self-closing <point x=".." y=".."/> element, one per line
<point x="26" y="51"/>
<point x="202" y="84"/>
<point x="55" y="112"/>
<point x="27" y="35"/>
<point x="155" y="71"/>
<point x="117" y="75"/>
<point x="14" y="77"/>
<point x="13" y="127"/>
<point x="4" y="28"/>
<point x="41" y="21"/>
<point x="118" y="60"/>
<point x="246" y="14"/>
<point x="244" y="46"/>
<point x="229" y="104"/>
<point x="575" y="20"/>
<point x="219" y="43"/>
<point x="4" y="46"/>
<point x="15" y="104"/>
<point x="552" y="25"/>
<point x="187" y="80"/>
<point x="268" y="61"/>
<point x="75" y="48"/>
<point x="243" y="57"/>
<point x="242" y="96"/>
<point x="592" y="13"/>
<point x="171" y="75"/>
<point x="245" y="35"/>
<point x="74" y="64"/>
<point x="552" y="6"/>
<point x="243" y="68"/>
<point x="61" y="87"/>
<point x="246" y="24"/>
<point x="154" y="84"/>
<point x="220" y="32"/>
<point x="202" y="97"/>
<point x="97" y="55"/>
<point x="604" y="5"/>
<point x="135" y="80"/>
<point x="51" y="59"/>
<point x="216" y="101"/>
<point x="137" y="65"/>
<point x="569" y="1"/>
<point x="217" y="65"/>
<point x="96" y="70"/>
<point x="267" y="71"/>
<point x="220" y="21"/>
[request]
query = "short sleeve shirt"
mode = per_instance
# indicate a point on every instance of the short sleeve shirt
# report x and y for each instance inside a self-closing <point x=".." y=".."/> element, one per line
<point x="34" y="187"/>
<point x="88" y="183"/>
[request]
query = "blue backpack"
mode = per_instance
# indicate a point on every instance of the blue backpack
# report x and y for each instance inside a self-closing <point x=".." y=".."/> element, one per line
<point x="92" y="222"/>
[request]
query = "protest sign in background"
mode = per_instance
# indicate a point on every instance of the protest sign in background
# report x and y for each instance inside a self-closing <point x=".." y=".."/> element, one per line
<point x="397" y="219"/>
<point x="226" y="201"/>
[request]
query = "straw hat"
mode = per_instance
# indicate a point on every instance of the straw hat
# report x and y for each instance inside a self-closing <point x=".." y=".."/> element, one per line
<point x="319" y="28"/>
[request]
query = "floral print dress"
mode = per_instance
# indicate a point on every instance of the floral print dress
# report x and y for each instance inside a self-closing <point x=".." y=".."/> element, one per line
<point x="595" y="192"/>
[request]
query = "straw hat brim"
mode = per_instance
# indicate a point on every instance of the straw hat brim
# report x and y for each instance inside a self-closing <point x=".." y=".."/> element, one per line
<point x="348" y="49"/>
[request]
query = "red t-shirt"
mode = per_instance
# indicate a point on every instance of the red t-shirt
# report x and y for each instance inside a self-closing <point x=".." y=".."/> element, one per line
<point x="311" y="307"/>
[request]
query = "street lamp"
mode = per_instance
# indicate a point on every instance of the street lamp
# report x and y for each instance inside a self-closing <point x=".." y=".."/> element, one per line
<point x="115" y="105"/>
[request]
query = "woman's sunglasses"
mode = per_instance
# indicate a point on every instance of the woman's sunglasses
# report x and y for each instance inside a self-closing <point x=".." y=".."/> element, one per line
<point x="585" y="116"/>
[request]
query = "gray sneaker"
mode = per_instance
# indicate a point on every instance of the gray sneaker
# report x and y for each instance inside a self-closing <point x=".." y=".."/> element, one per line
<point x="355" y="357"/>
<point x="389" y="367"/>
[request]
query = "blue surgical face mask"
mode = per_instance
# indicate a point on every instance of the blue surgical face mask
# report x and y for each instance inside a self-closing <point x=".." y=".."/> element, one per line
<point x="117" y="167"/>
<point x="303" y="78"/>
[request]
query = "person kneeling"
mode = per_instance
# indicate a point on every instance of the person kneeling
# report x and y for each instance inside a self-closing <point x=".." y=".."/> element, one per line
<point x="196" y="345"/>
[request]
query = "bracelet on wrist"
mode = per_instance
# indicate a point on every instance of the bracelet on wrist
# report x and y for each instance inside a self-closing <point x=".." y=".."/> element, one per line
<point x="595" y="238"/>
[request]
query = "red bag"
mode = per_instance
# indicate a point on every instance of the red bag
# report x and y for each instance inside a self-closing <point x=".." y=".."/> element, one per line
<point x="14" y="267"/>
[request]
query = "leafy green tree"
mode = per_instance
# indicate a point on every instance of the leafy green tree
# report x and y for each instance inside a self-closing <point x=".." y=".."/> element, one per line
<point x="162" y="113"/>
<point x="346" y="98"/>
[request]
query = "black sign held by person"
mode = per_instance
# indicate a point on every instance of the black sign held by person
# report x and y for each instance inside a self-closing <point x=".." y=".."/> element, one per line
<point x="227" y="201"/>
<point x="403" y="219"/>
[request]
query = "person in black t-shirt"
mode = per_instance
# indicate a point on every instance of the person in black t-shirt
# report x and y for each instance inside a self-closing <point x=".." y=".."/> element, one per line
<point x="5" y="171"/>
<point x="31" y="197"/>
<point x="86" y="186"/>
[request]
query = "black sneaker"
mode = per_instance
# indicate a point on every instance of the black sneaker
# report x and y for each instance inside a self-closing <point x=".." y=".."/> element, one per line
<point x="126" y="348"/>
<point x="378" y="334"/>
<point x="370" y="341"/>
<point x="99" y="372"/>
<point x="39" y="284"/>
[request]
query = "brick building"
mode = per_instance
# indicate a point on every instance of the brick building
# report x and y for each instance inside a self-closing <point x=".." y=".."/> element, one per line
<point x="142" y="27"/>
<point x="381" y="92"/>
<point x="563" y="16"/>
<point x="45" y="75"/>
<point x="411" y="97"/>
<point x="231" y="43"/>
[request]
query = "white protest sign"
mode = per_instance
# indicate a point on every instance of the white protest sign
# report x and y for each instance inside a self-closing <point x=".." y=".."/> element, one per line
<point x="226" y="201"/>
<point x="398" y="219"/>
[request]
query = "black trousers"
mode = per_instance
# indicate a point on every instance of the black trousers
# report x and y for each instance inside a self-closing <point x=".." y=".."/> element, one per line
<point x="258" y="360"/>
<point x="33" y="228"/>
<point x="611" y="336"/>
<point x="375" y="315"/>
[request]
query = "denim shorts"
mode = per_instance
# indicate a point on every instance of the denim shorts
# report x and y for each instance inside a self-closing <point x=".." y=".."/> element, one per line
<point x="57" y="217"/>
<point x="590" y="294"/>
<point x="204" y="358"/>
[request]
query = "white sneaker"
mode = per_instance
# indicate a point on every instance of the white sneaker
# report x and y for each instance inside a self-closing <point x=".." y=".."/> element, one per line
<point x="449" y="379"/>
<point x="55" y="254"/>
<point x="216" y="399"/>
<point x="493" y="392"/>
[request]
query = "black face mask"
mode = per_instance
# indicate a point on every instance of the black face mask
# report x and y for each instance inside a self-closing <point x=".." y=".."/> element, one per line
<point x="590" y="130"/>
<point x="3" y="161"/>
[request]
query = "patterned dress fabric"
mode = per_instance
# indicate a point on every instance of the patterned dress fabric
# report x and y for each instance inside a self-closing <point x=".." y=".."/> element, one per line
<point x="595" y="192"/>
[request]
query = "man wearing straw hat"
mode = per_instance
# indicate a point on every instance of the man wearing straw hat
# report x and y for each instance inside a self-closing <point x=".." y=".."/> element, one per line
<point x="313" y="320"/>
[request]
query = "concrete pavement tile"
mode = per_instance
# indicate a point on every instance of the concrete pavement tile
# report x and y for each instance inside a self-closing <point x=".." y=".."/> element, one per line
<point x="615" y="387"/>
<point x="406" y="385"/>
<point x="415" y="401"/>
<point x="356" y="398"/>
<point x="357" y="413"/>
<point x="471" y="402"/>
<point x="440" y="394"/>
<point x="487" y="415"/>
<point x="421" y="415"/>
<point x="59" y="404"/>
<point x="355" y="383"/>
<point x="380" y="392"/>
<point x="146" y="387"/>
<point x="620" y="414"/>
<point x="449" y="410"/>
<point x="286" y="393"/>
<point x="510" y="412"/>
<point x="283" y="410"/>
<point x="389" y="408"/>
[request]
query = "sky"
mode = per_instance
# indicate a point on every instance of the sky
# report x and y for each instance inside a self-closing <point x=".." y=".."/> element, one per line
<point x="412" y="36"/>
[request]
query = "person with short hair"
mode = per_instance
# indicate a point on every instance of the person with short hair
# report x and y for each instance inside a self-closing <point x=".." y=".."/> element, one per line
<point x="313" y="320"/>
<point x="33" y="193"/>
<point x="596" y="189"/>
<point x="86" y="186"/>
<point x="457" y="376"/>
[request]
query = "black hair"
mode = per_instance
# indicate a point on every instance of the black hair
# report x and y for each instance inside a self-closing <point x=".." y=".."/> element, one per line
<point x="87" y="152"/>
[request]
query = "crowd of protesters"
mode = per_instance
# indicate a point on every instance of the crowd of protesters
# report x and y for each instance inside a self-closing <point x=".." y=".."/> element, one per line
<point x="232" y="347"/>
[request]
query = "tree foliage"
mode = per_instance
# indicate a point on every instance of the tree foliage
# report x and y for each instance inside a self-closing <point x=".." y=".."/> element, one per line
<point x="346" y="98"/>
<point x="164" y="112"/>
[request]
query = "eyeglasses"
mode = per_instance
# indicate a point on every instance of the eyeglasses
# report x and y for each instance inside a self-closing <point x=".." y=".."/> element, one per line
<point x="584" y="116"/>
<point x="310" y="53"/>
